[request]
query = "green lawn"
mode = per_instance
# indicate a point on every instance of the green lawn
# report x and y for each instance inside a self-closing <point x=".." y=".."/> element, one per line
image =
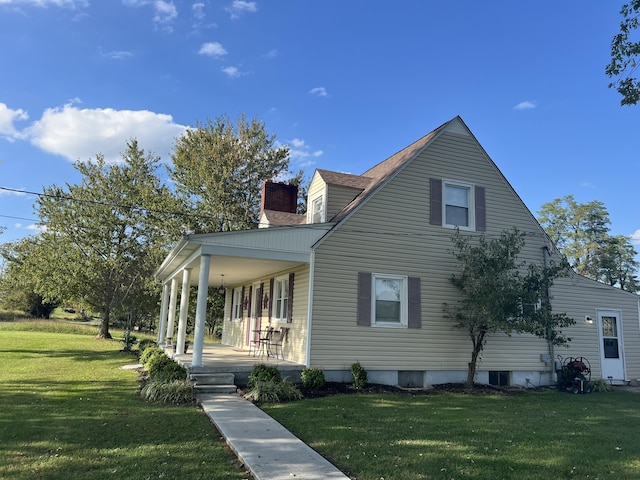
<point x="68" y="411"/>
<point x="538" y="435"/>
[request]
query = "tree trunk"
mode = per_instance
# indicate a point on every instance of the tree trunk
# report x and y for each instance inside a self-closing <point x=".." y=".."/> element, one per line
<point x="473" y="364"/>
<point x="475" y="354"/>
<point x="104" y="324"/>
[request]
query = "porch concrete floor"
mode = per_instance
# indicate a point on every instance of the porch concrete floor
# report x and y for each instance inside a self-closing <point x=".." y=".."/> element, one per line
<point x="218" y="358"/>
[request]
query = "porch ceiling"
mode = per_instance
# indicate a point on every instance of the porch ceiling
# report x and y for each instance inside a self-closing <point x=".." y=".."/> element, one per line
<point x="242" y="256"/>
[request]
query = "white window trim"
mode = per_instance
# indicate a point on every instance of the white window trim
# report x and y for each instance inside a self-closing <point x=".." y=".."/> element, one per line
<point x="404" y="301"/>
<point x="280" y="317"/>
<point x="472" y="204"/>
<point x="322" y="198"/>
<point x="236" y="304"/>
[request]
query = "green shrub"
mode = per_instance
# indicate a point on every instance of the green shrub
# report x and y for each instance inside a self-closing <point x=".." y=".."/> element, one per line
<point x="149" y="352"/>
<point x="176" y="392"/>
<point x="273" y="391"/>
<point x="146" y="343"/>
<point x="313" y="378"/>
<point x="359" y="375"/>
<point x="600" y="385"/>
<point x="163" y="368"/>
<point x="265" y="373"/>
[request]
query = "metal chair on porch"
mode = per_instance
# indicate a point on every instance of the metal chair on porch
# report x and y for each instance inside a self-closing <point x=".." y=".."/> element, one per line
<point x="265" y="342"/>
<point x="254" y="342"/>
<point x="275" y="345"/>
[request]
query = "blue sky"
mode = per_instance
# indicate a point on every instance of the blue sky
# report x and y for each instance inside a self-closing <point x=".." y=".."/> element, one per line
<point x="344" y="83"/>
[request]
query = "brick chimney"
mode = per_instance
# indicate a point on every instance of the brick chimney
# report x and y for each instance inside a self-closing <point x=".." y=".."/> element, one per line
<point x="279" y="196"/>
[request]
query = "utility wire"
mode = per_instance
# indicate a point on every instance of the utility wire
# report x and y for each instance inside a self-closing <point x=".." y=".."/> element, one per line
<point x="105" y="204"/>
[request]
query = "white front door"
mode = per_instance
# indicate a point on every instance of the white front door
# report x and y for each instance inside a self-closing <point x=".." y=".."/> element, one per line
<point x="611" y="355"/>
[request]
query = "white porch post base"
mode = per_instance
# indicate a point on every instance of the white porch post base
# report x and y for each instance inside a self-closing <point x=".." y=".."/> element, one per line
<point x="164" y="309"/>
<point x="184" y="310"/>
<point x="201" y="310"/>
<point x="172" y="310"/>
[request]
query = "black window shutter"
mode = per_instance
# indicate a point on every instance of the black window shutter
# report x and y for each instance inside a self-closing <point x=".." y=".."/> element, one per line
<point x="260" y="299"/>
<point x="481" y="216"/>
<point x="364" y="299"/>
<point x="250" y="300"/>
<point x="271" y="282"/>
<point x="290" y="302"/>
<point x="435" y="217"/>
<point x="241" y="303"/>
<point x="415" y="310"/>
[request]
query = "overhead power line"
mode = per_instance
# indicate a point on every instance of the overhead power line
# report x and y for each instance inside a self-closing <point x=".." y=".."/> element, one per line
<point x="106" y="204"/>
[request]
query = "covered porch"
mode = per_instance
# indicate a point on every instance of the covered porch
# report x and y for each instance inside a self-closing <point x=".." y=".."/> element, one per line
<point x="223" y="359"/>
<point x="224" y="260"/>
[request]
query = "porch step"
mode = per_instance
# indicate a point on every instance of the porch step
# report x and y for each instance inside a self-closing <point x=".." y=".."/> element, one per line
<point x="214" y="389"/>
<point x="212" y="378"/>
<point x="213" y="382"/>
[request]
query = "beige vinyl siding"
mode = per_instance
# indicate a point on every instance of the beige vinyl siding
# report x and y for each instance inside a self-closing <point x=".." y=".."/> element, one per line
<point x="317" y="188"/>
<point x="339" y="196"/>
<point x="391" y="234"/>
<point x="294" y="349"/>
<point x="580" y="297"/>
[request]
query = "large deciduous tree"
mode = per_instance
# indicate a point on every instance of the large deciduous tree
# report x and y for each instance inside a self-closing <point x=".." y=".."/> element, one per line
<point x="106" y="236"/>
<point x="502" y="294"/>
<point x="625" y="55"/>
<point x="17" y="286"/>
<point x="219" y="168"/>
<point x="581" y="232"/>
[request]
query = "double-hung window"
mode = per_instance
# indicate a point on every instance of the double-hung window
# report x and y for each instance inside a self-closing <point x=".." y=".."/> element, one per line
<point x="389" y="300"/>
<point x="317" y="210"/>
<point x="458" y="208"/>
<point x="457" y="204"/>
<point x="236" y="304"/>
<point x="281" y="299"/>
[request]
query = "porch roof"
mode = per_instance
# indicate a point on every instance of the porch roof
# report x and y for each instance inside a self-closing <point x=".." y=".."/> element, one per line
<point x="243" y="255"/>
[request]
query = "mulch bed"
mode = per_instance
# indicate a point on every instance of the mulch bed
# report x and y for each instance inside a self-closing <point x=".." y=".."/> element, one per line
<point x="334" y="388"/>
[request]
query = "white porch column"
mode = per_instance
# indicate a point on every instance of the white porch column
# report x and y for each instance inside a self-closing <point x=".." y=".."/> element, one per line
<point x="164" y="309"/>
<point x="184" y="310"/>
<point x="201" y="310"/>
<point x="172" y="309"/>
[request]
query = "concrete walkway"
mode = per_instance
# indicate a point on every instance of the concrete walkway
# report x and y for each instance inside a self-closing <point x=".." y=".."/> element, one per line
<point x="267" y="449"/>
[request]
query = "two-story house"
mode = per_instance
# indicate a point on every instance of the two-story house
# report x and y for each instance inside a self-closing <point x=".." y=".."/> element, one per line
<point x="363" y="275"/>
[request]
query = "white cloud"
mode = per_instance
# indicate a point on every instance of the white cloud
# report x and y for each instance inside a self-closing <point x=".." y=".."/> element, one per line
<point x="319" y="92"/>
<point x="526" y="105"/>
<point x="80" y="134"/>
<point x="18" y="192"/>
<point x="117" y="54"/>
<point x="164" y="14"/>
<point x="71" y="4"/>
<point x="301" y="153"/>
<point x="197" y="9"/>
<point x="232" y="72"/>
<point x="7" y="119"/>
<point x="272" y="53"/>
<point x="635" y="237"/>
<point x="213" y="49"/>
<point x="240" y="7"/>
<point x="35" y="227"/>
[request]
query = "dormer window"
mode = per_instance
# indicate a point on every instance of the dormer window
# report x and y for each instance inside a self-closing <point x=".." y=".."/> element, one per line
<point x="317" y="210"/>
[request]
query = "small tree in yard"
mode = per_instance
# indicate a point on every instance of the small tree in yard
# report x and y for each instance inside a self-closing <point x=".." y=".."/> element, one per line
<point x="499" y="297"/>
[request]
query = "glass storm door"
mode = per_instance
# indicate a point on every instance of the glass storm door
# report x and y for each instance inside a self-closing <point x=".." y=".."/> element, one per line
<point x="611" y="345"/>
